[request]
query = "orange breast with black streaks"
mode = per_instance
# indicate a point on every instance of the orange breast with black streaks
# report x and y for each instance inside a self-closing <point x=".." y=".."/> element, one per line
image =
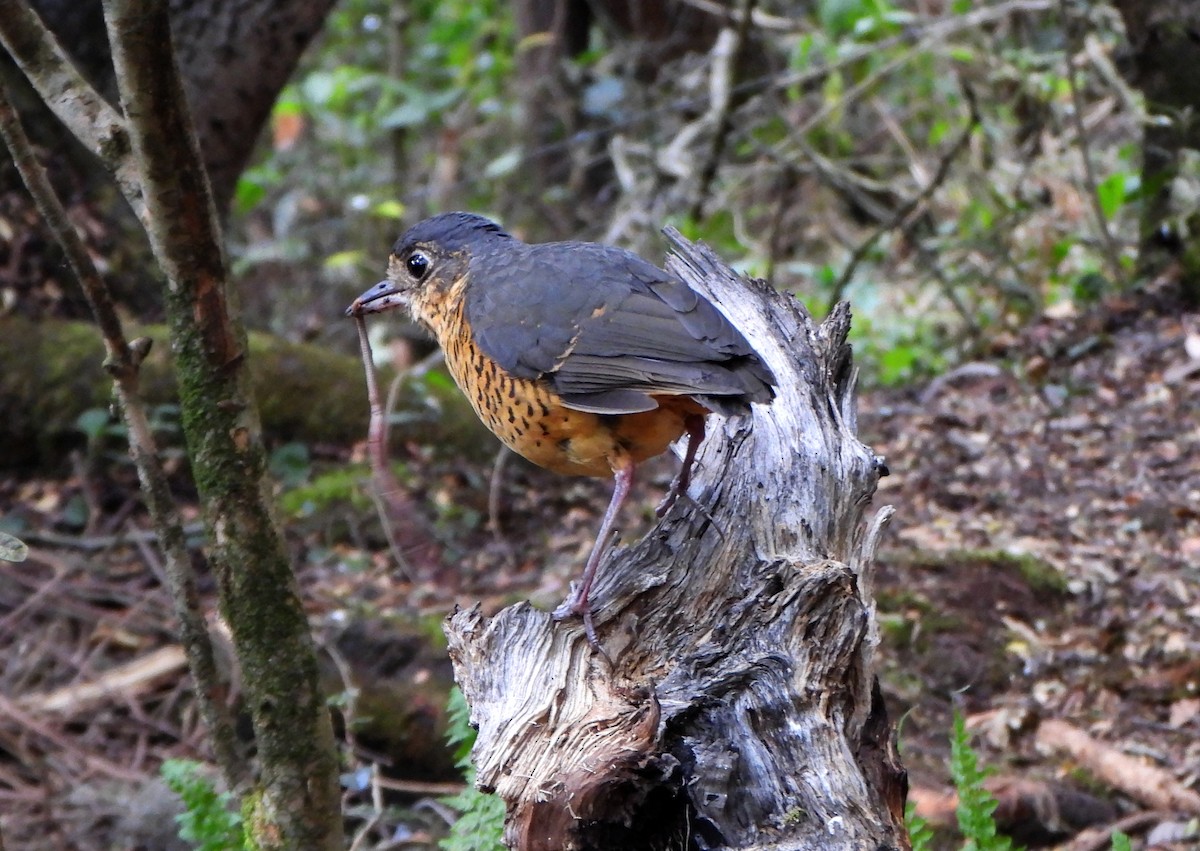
<point x="530" y="419"/>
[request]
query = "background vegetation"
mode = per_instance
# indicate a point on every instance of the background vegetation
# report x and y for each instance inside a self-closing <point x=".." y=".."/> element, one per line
<point x="944" y="167"/>
<point x="968" y="175"/>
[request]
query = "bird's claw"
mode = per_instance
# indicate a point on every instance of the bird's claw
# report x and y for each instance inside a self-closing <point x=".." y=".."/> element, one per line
<point x="667" y="502"/>
<point x="574" y="607"/>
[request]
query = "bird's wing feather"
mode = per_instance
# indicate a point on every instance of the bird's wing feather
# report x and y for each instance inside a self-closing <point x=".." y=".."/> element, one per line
<point x="607" y="329"/>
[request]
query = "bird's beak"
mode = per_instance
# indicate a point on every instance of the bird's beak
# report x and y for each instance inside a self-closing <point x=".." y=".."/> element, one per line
<point x="383" y="296"/>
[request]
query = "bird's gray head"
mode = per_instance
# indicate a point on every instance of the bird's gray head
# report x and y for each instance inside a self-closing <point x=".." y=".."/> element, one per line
<point x="427" y="261"/>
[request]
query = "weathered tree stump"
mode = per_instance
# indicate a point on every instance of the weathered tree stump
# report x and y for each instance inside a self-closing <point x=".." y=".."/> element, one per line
<point x="739" y="710"/>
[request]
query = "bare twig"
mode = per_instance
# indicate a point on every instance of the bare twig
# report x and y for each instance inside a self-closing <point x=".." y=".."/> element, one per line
<point x="905" y="210"/>
<point x="760" y="19"/>
<point x="122" y="363"/>
<point x="419" y="787"/>
<point x="415" y="552"/>
<point x="785" y="187"/>
<point x="399" y="18"/>
<point x="96" y="543"/>
<point x="1112" y="251"/>
<point x="496" y="492"/>
<point x="13" y="712"/>
<point x="1100" y="838"/>
<point x="130" y="676"/>
<point x="725" y="63"/>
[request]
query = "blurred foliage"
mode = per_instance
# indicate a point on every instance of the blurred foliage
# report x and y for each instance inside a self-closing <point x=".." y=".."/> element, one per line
<point x="836" y="156"/>
<point x="480" y="822"/>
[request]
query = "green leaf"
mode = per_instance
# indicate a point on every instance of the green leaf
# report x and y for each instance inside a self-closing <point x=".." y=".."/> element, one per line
<point x="480" y="824"/>
<point x="290" y="464"/>
<point x="504" y="164"/>
<point x="1120" y="842"/>
<point x="459" y="733"/>
<point x="319" y="87"/>
<point x="389" y="209"/>
<point x="975" y="803"/>
<point x="343" y="259"/>
<point x="94" y="422"/>
<point x="839" y="17"/>
<point x="206" y="819"/>
<point x="920" y="834"/>
<point x="248" y="195"/>
<point x="896" y="363"/>
<point x="1111" y="193"/>
<point x="419" y="107"/>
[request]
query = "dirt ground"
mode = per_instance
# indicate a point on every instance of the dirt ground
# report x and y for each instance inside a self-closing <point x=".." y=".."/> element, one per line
<point x="1042" y="574"/>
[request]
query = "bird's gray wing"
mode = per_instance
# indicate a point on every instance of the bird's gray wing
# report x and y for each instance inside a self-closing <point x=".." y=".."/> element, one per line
<point x="608" y="331"/>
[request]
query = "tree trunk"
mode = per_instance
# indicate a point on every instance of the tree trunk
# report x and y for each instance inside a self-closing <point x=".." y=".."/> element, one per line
<point x="739" y="708"/>
<point x="1166" y="67"/>
<point x="234" y="56"/>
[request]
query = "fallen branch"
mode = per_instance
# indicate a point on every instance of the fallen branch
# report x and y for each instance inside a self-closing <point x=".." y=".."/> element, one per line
<point x="1147" y="784"/>
<point x="121" y="680"/>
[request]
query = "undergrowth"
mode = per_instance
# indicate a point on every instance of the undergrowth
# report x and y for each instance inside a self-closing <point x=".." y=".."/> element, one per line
<point x="976" y="805"/>
<point x="206" y="820"/>
<point x="480" y="824"/>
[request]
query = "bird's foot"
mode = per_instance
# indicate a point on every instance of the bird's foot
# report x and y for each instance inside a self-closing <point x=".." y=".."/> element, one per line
<point x="669" y="500"/>
<point x="576" y="607"/>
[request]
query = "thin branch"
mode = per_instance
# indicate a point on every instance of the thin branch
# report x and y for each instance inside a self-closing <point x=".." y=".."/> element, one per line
<point x="906" y="209"/>
<point x="1112" y="251"/>
<point x="399" y="19"/>
<point x="417" y="555"/>
<point x="760" y="19"/>
<point x="76" y="104"/>
<point x="122" y="363"/>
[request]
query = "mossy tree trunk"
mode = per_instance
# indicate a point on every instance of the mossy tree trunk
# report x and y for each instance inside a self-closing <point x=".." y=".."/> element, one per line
<point x="299" y="806"/>
<point x="152" y="150"/>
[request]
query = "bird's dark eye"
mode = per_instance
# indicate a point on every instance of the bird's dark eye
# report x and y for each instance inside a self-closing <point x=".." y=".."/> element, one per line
<point x="417" y="264"/>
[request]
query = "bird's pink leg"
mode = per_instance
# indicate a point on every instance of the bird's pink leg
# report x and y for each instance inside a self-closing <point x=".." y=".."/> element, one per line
<point x="695" y="430"/>
<point x="577" y="603"/>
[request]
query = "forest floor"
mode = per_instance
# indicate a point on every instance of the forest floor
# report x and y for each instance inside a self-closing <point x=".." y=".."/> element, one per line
<point x="1042" y="574"/>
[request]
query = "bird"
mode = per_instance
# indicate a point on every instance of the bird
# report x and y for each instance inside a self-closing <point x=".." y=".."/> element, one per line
<point x="584" y="358"/>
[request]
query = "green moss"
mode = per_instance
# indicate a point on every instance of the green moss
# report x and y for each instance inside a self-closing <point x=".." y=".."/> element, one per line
<point x="1037" y="573"/>
<point x="53" y="373"/>
<point x="896" y="606"/>
<point x="342" y="485"/>
<point x="793" y="816"/>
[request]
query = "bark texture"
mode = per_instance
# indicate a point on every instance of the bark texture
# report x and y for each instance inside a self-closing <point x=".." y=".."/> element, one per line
<point x="737" y="711"/>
